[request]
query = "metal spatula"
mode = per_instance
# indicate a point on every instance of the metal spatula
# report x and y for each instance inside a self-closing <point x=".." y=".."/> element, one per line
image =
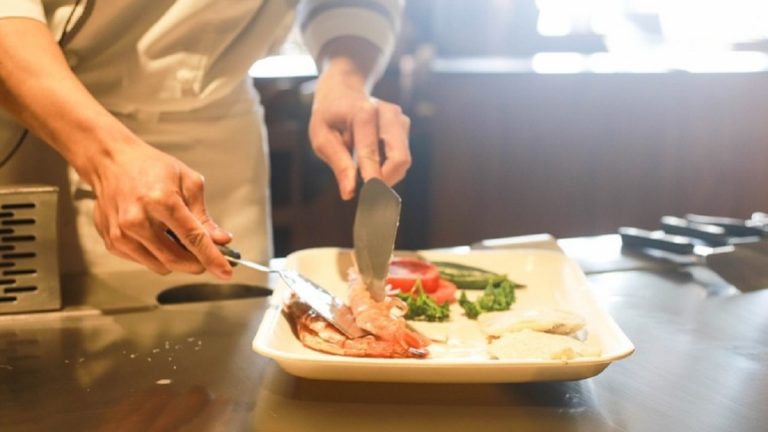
<point x="330" y="307"/>
<point x="327" y="305"/>
<point x="374" y="232"/>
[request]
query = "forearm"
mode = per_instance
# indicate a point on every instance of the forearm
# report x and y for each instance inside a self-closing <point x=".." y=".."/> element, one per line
<point x="353" y="58"/>
<point x="39" y="89"/>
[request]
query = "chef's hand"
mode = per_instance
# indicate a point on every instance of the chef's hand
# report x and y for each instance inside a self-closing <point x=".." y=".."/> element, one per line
<point x="346" y="120"/>
<point x="141" y="192"/>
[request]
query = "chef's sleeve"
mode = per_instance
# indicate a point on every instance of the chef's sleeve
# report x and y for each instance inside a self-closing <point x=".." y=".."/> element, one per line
<point x="377" y="21"/>
<point x="22" y="9"/>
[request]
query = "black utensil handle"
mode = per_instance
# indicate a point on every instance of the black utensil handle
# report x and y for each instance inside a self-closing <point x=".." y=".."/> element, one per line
<point x="225" y="250"/>
<point x="639" y="238"/>
<point x="732" y="226"/>
<point x="712" y="234"/>
<point x="228" y="251"/>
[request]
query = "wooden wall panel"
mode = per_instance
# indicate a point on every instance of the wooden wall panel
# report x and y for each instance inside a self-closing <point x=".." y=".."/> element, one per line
<point x="582" y="154"/>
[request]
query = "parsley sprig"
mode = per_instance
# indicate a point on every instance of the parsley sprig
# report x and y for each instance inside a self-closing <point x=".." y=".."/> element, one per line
<point x="422" y="307"/>
<point x="496" y="297"/>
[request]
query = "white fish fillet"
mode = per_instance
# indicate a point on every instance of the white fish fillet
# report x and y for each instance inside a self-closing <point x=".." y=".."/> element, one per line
<point x="528" y="344"/>
<point x="548" y="320"/>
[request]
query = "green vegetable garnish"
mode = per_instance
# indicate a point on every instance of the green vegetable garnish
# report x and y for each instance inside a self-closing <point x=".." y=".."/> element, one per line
<point x="421" y="307"/>
<point x="471" y="309"/>
<point x="495" y="298"/>
<point x="468" y="277"/>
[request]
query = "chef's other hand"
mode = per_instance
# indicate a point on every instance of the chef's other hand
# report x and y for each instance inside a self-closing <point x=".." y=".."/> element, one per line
<point x="140" y="193"/>
<point x="345" y="119"/>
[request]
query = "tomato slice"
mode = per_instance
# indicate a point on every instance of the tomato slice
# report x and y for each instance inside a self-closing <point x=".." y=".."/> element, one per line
<point x="404" y="272"/>
<point x="446" y="292"/>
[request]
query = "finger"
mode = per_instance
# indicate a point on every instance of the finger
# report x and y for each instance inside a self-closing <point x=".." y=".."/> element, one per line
<point x="329" y="146"/>
<point x="134" y="222"/>
<point x="118" y="245"/>
<point x="192" y="234"/>
<point x="193" y="191"/>
<point x="102" y="228"/>
<point x="124" y="246"/>
<point x="365" y="133"/>
<point x="394" y="127"/>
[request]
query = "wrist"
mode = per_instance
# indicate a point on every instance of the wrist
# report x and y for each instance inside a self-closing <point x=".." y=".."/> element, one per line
<point x="346" y="71"/>
<point x="351" y="59"/>
<point x="95" y="144"/>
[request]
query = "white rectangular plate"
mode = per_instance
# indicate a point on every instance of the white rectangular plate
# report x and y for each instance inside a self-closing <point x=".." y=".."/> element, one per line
<point x="551" y="279"/>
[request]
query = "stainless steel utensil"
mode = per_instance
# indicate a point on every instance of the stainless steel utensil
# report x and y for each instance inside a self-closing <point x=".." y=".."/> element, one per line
<point x="711" y="234"/>
<point x="374" y="232"/>
<point x="330" y="307"/>
<point x="733" y="226"/>
<point x="745" y="269"/>
<point x="327" y="305"/>
<point x="718" y="231"/>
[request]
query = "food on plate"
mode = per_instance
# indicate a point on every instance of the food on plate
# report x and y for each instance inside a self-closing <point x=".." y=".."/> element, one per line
<point x="383" y="319"/>
<point x="422" y="307"/>
<point x="418" y="277"/>
<point x="530" y="344"/>
<point x="468" y="277"/>
<point x="318" y="334"/>
<point x="405" y="272"/>
<point x="495" y="297"/>
<point x="421" y="294"/>
<point x="389" y="335"/>
<point x="440" y="281"/>
<point x="446" y="293"/>
<point x="549" y="320"/>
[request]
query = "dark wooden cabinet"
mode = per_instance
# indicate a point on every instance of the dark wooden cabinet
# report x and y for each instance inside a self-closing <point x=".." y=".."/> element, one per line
<point x="579" y="154"/>
<point x="509" y="152"/>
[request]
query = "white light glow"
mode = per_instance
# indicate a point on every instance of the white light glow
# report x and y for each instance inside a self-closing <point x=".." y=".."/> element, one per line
<point x="627" y="63"/>
<point x="722" y="62"/>
<point x="559" y="63"/>
<point x="554" y="24"/>
<point x="284" y="66"/>
<point x="691" y="35"/>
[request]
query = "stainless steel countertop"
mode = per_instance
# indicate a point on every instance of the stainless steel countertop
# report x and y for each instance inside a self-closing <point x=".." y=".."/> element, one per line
<point x="114" y="360"/>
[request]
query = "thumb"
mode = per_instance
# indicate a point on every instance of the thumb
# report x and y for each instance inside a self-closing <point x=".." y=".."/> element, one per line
<point x="193" y="191"/>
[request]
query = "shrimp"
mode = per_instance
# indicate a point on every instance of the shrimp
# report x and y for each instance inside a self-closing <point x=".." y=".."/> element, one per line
<point x="317" y="333"/>
<point x="383" y="319"/>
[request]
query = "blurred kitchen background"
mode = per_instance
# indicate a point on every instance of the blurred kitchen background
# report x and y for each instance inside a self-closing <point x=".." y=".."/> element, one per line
<point x="570" y="117"/>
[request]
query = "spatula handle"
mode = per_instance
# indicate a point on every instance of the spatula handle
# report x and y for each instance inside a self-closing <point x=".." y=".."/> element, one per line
<point x="225" y="250"/>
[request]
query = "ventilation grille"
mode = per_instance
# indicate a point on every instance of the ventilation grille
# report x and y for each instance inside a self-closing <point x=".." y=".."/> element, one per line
<point x="29" y="279"/>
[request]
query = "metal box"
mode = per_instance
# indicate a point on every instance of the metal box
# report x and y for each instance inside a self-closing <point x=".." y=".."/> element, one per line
<point x="29" y="267"/>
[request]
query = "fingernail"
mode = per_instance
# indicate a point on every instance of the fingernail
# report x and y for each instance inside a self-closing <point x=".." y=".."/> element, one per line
<point x="346" y="195"/>
<point x="224" y="233"/>
<point x="348" y="188"/>
<point x="225" y="273"/>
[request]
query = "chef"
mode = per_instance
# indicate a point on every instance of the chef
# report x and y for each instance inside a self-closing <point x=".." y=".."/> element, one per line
<point x="156" y="127"/>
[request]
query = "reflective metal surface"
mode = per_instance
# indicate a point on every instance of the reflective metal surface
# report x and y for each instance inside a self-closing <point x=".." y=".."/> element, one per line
<point x="700" y="365"/>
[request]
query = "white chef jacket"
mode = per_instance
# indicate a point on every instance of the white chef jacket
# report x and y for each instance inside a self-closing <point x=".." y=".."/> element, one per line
<point x="175" y="72"/>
